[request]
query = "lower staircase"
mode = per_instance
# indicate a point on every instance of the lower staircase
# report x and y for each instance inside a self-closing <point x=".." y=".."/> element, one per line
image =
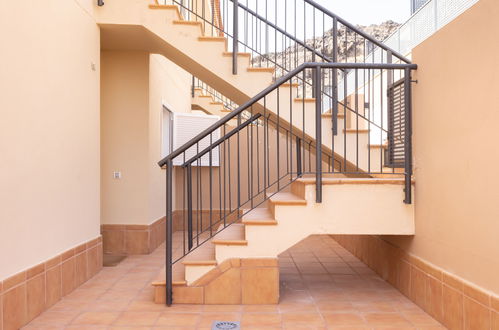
<point x="239" y="264"/>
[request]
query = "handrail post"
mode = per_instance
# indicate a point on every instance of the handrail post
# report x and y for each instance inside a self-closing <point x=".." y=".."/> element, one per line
<point x="189" y="207"/>
<point x="318" y="136"/>
<point x="235" y="36"/>
<point x="408" y="137"/>
<point x="169" y="232"/>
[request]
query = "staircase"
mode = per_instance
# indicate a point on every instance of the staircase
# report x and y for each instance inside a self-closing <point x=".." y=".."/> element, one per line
<point x="317" y="146"/>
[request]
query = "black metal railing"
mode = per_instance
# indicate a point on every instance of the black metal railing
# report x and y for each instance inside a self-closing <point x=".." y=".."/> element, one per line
<point x="237" y="163"/>
<point x="283" y="34"/>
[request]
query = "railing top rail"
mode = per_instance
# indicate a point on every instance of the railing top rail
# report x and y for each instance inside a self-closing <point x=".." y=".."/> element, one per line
<point x="356" y="30"/>
<point x="275" y="85"/>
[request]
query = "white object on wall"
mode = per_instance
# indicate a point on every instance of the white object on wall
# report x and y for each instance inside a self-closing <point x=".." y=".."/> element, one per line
<point x="188" y="125"/>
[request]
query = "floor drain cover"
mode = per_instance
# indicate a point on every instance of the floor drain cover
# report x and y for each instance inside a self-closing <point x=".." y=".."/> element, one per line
<point x="223" y="325"/>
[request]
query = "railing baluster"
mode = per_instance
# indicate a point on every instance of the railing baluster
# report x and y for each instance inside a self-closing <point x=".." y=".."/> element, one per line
<point x="235" y="36"/>
<point x="318" y="136"/>
<point x="408" y="137"/>
<point x="169" y="233"/>
<point x="189" y="208"/>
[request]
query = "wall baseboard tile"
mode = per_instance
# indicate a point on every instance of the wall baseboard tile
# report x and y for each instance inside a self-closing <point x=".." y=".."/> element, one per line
<point x="27" y="294"/>
<point x="120" y="239"/>
<point x="455" y="303"/>
<point x="133" y="239"/>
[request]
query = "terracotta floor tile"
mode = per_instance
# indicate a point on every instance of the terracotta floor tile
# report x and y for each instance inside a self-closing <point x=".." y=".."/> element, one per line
<point x="85" y="294"/>
<point x="55" y="318"/>
<point x="95" y="318"/>
<point x="386" y="319"/>
<point x="109" y="305"/>
<point x="261" y="319"/>
<point x="420" y="318"/>
<point x="70" y="305"/>
<point x="42" y="327"/>
<point x="184" y="309"/>
<point x="145" y="306"/>
<point x="137" y="318"/>
<point x="308" y="319"/>
<point x="376" y="306"/>
<point x="129" y="328"/>
<point x="344" y="319"/>
<point x="86" y="327"/>
<point x="207" y="319"/>
<point x="334" y="306"/>
<point x="178" y="320"/>
<point x="261" y="309"/>
<point x="222" y="308"/>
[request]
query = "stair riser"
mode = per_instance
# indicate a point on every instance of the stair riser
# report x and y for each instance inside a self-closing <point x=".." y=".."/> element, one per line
<point x="195" y="272"/>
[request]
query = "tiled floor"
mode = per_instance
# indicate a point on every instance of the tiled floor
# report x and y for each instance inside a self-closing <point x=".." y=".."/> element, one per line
<point x="322" y="287"/>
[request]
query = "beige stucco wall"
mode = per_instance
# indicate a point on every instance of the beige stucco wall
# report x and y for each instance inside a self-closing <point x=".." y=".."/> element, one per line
<point x="124" y="137"/>
<point x="135" y="85"/>
<point x="456" y="112"/>
<point x="49" y="130"/>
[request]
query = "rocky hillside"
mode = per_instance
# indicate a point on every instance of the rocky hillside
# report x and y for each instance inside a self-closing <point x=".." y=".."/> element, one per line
<point x="350" y="46"/>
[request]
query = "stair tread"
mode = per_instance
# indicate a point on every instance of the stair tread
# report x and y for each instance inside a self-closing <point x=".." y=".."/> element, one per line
<point x="261" y="213"/>
<point x="238" y="54"/>
<point x="234" y="232"/>
<point x="259" y="216"/>
<point x="329" y="115"/>
<point x="300" y="99"/>
<point x="261" y="69"/>
<point x="287" y="197"/>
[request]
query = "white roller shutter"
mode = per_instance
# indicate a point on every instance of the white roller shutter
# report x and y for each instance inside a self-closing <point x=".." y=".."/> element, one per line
<point x="188" y="125"/>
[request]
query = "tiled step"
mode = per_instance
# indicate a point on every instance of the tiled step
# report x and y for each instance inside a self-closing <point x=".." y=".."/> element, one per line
<point x="329" y="115"/>
<point x="287" y="198"/>
<point x="258" y="69"/>
<point x="178" y="272"/>
<point x="259" y="217"/>
<point x="232" y="235"/>
<point x="229" y="54"/>
<point x="202" y="256"/>
<point x="305" y="100"/>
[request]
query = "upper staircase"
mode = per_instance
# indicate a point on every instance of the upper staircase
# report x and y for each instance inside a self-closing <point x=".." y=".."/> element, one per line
<point x="205" y="51"/>
<point x="319" y="144"/>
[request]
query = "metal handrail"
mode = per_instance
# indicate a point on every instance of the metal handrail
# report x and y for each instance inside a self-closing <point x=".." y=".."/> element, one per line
<point x="271" y="88"/>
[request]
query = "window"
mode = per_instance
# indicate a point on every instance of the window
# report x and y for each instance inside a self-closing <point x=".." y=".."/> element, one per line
<point x="167" y="132"/>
